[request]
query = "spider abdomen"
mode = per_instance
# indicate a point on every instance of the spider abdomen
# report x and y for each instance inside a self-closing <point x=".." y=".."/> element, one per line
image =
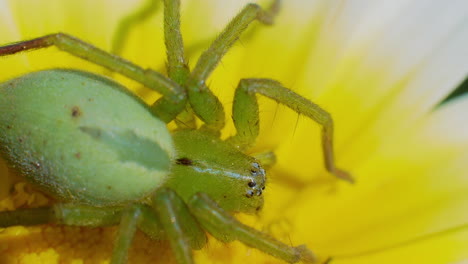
<point x="82" y="138"/>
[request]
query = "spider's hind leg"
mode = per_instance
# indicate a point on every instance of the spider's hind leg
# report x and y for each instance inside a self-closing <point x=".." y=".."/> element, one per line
<point x="226" y="228"/>
<point x="66" y="214"/>
<point x="180" y="226"/>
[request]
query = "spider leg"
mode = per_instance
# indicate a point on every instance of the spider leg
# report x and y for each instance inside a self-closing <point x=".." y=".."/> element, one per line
<point x="211" y="57"/>
<point x="173" y="94"/>
<point x="126" y="233"/>
<point x="205" y="105"/>
<point x="181" y="228"/>
<point x="246" y="118"/>
<point x="226" y="228"/>
<point x="27" y="217"/>
<point x="177" y="66"/>
<point x="78" y="215"/>
<point x="67" y="214"/>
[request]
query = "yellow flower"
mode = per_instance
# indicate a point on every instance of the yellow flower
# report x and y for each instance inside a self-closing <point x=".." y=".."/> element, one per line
<point x="380" y="67"/>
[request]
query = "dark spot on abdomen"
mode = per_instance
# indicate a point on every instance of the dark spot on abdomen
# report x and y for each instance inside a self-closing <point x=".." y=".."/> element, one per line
<point x="76" y="112"/>
<point x="184" y="161"/>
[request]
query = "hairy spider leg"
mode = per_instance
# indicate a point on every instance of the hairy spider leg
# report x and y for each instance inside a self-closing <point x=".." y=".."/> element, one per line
<point x="177" y="66"/>
<point x="181" y="228"/>
<point x="173" y="94"/>
<point x="204" y="103"/>
<point x="226" y="228"/>
<point x="127" y="229"/>
<point x="246" y="117"/>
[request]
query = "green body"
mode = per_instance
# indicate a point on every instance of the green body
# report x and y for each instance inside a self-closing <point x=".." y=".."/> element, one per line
<point x="109" y="159"/>
<point x="82" y="138"/>
<point x="93" y="143"/>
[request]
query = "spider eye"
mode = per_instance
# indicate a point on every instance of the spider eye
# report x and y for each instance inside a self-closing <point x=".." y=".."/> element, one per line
<point x="252" y="184"/>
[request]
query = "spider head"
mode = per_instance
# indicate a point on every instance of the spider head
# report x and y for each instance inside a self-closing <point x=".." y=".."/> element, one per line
<point x="209" y="165"/>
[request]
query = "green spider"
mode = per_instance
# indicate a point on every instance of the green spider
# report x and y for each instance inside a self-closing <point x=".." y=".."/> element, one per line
<point x="109" y="159"/>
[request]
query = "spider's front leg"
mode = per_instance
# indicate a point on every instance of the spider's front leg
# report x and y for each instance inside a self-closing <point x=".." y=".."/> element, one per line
<point x="177" y="66"/>
<point x="226" y="228"/>
<point x="246" y="117"/>
<point x="174" y="96"/>
<point x="205" y="105"/>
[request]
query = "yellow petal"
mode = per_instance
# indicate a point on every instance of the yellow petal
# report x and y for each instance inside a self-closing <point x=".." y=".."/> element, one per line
<point x="379" y="68"/>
